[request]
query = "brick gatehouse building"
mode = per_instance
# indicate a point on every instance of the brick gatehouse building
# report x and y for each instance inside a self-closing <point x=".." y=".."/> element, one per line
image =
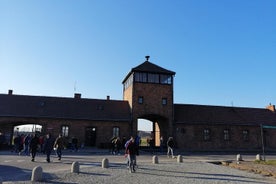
<point x="147" y="94"/>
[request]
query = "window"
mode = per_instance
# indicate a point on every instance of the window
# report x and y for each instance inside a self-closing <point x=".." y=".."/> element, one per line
<point x="245" y="135"/>
<point x="166" y="79"/>
<point x="140" y="77"/>
<point x="164" y="101"/>
<point x="128" y="82"/>
<point x="153" y="78"/>
<point x="100" y="107"/>
<point x="65" y="130"/>
<point x="140" y="100"/>
<point x="116" y="131"/>
<point x="206" y="135"/>
<point x="226" y="135"/>
<point x="150" y="78"/>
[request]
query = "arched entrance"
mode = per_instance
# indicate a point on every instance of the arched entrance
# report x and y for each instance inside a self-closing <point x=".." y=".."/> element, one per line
<point x="159" y="128"/>
<point x="145" y="128"/>
<point x="27" y="129"/>
<point x="9" y="130"/>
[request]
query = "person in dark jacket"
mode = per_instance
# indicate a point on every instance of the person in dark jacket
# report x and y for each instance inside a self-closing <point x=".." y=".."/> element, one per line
<point x="131" y="152"/>
<point x="48" y="147"/>
<point x="170" y="145"/>
<point x="59" y="145"/>
<point x="33" y="146"/>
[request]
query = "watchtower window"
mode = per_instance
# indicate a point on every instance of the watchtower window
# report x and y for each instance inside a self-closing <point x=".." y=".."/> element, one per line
<point x="165" y="79"/>
<point x="128" y="82"/>
<point x="164" y="101"/>
<point x="140" y="100"/>
<point x="140" y="77"/>
<point x="153" y="78"/>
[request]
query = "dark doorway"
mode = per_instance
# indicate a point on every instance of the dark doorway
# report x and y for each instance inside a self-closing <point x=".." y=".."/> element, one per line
<point x="90" y="136"/>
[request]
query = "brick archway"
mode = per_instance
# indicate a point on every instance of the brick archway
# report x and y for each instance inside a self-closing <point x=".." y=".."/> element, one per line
<point x="8" y="128"/>
<point x="160" y="127"/>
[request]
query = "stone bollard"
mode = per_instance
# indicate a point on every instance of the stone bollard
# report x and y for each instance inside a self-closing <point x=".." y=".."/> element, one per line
<point x="105" y="163"/>
<point x="75" y="168"/>
<point x="258" y="157"/>
<point x="155" y="159"/>
<point x="37" y="174"/>
<point x="239" y="157"/>
<point x="179" y="159"/>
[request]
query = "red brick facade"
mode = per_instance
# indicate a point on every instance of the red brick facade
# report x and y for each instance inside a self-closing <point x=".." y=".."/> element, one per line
<point x="147" y="94"/>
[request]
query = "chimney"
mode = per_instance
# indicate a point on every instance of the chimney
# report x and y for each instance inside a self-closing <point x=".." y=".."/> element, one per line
<point x="10" y="92"/>
<point x="271" y="107"/>
<point x="107" y="97"/>
<point x="77" y="96"/>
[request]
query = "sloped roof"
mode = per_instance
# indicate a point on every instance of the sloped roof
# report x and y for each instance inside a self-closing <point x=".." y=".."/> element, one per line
<point x="65" y="108"/>
<point x="205" y="114"/>
<point x="150" y="68"/>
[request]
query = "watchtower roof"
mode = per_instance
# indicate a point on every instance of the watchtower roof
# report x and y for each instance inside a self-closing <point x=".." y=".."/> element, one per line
<point x="152" y="68"/>
<point x="149" y="68"/>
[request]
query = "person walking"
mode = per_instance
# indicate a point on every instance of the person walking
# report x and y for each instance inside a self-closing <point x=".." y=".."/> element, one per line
<point x="161" y="144"/>
<point x="170" y="145"/>
<point x="33" y="146"/>
<point x="75" y="144"/>
<point x="16" y="142"/>
<point x="59" y="145"/>
<point x="131" y="154"/>
<point x="48" y="147"/>
<point x="26" y="141"/>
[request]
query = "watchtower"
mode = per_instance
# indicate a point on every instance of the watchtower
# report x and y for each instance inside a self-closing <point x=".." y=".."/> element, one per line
<point x="149" y="90"/>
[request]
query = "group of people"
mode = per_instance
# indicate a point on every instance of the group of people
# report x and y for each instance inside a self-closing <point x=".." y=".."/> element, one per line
<point x="22" y="143"/>
<point x="30" y="145"/>
<point x="116" y="145"/>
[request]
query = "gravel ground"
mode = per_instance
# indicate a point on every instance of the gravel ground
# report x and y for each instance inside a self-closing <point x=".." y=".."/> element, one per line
<point x="192" y="172"/>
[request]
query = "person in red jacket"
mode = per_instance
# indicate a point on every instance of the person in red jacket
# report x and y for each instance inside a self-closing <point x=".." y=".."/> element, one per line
<point x="131" y="154"/>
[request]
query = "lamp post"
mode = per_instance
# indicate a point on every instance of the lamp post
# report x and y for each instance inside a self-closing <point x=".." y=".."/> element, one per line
<point x="262" y="137"/>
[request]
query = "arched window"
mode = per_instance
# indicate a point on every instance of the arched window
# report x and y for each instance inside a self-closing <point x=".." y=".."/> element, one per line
<point x="206" y="135"/>
<point x="226" y="135"/>
<point x="65" y="130"/>
<point x="116" y="131"/>
<point x="245" y="134"/>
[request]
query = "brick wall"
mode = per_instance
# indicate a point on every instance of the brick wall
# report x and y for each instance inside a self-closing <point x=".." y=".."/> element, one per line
<point x="190" y="137"/>
<point x="76" y="127"/>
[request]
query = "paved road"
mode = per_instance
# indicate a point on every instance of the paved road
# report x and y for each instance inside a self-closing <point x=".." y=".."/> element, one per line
<point x="195" y="169"/>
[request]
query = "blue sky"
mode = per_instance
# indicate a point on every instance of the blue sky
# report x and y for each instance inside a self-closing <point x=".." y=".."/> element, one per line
<point x="223" y="52"/>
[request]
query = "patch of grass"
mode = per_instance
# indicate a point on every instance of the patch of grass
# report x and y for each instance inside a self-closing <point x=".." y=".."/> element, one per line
<point x="144" y="142"/>
<point x="267" y="162"/>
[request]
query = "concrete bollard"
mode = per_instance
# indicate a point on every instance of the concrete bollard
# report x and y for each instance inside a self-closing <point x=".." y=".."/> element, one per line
<point x="75" y="168"/>
<point x="37" y="174"/>
<point x="155" y="159"/>
<point x="258" y="157"/>
<point x="105" y="163"/>
<point x="179" y="159"/>
<point x="239" y="157"/>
